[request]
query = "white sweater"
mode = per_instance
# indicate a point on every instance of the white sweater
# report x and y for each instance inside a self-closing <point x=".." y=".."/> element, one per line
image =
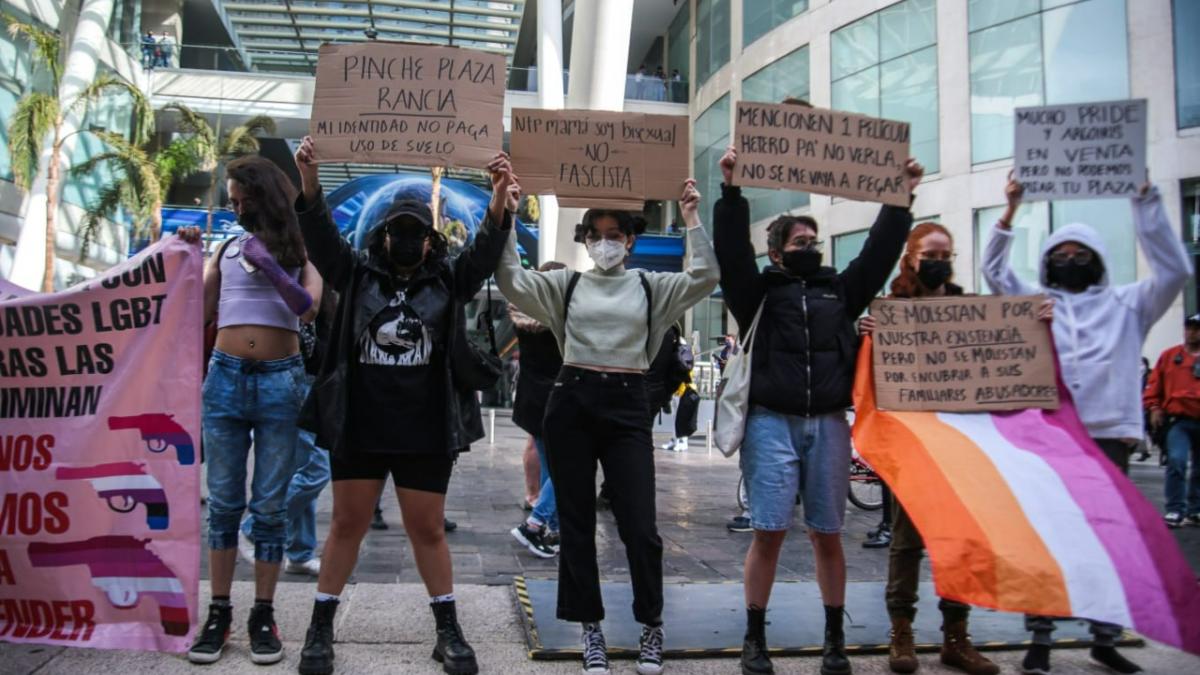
<point x="1099" y="333"/>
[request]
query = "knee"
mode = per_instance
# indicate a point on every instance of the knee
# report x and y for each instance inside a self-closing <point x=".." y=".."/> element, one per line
<point x="426" y="534"/>
<point x="768" y="542"/>
<point x="826" y="543"/>
<point x="348" y="526"/>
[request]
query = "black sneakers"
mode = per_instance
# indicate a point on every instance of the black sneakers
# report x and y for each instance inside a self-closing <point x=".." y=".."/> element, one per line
<point x="534" y="540"/>
<point x="595" y="650"/>
<point x="317" y="656"/>
<point x="880" y="537"/>
<point x="650" y="655"/>
<point x="1110" y="658"/>
<point x="1037" y="660"/>
<point x="739" y="524"/>
<point x="265" y="647"/>
<point x="212" y="638"/>
<point x="452" y="650"/>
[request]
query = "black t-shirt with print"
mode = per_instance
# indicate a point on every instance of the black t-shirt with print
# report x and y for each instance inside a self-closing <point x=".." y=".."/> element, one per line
<point x="395" y="391"/>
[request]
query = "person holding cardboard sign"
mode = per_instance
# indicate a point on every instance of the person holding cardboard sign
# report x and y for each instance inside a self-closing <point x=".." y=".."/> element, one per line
<point x="609" y="323"/>
<point x="1098" y="333"/>
<point x="802" y="372"/>
<point x="397" y="390"/>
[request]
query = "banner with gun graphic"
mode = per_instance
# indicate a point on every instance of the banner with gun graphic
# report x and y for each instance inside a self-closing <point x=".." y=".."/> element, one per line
<point x="99" y="457"/>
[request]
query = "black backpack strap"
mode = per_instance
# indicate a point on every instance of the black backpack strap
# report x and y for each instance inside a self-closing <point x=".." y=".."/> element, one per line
<point x="649" y="306"/>
<point x="491" y="328"/>
<point x="567" y="298"/>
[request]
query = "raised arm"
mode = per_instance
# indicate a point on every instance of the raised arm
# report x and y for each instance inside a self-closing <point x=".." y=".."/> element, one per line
<point x="865" y="276"/>
<point x="998" y="274"/>
<point x="1170" y="268"/>
<point x="327" y="250"/>
<point x="538" y="294"/>
<point x="741" y="282"/>
<point x="675" y="293"/>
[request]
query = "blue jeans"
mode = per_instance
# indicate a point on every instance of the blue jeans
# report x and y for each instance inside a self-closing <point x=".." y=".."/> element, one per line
<point x="302" y="493"/>
<point x="546" y="508"/>
<point x="1183" y="442"/>
<point x="243" y="397"/>
<point x="785" y="455"/>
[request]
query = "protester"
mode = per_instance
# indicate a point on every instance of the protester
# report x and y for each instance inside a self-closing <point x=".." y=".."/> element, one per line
<point x="609" y="323"/>
<point x="926" y="271"/>
<point x="1098" y="333"/>
<point x="541" y="363"/>
<point x="881" y="536"/>
<point x="313" y="475"/>
<point x="149" y="51"/>
<point x="263" y="285"/>
<point x="532" y="470"/>
<point x="797" y="438"/>
<point x="1172" y="396"/>
<point x="166" y="47"/>
<point x="687" y="414"/>
<point x="388" y="399"/>
<point x="670" y="370"/>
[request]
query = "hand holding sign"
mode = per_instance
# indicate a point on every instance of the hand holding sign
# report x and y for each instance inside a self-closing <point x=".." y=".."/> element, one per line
<point x="689" y="203"/>
<point x="310" y="181"/>
<point x="727" y="164"/>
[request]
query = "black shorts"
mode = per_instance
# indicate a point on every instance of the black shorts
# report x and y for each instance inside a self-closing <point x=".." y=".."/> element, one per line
<point x="427" y="473"/>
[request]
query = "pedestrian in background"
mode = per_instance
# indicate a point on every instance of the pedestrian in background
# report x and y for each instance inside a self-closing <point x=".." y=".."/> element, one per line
<point x="1173" y="398"/>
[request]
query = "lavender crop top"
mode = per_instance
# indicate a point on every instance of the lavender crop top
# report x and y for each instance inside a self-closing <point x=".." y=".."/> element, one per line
<point x="247" y="298"/>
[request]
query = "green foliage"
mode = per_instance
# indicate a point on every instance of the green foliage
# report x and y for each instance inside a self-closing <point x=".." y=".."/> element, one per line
<point x="35" y="116"/>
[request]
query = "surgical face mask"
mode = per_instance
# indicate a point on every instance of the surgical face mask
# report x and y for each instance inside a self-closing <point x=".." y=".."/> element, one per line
<point x="1072" y="277"/>
<point x="934" y="273"/>
<point x="607" y="253"/>
<point x="802" y="262"/>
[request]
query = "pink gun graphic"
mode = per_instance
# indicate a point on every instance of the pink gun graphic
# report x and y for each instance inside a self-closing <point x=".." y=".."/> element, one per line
<point x="125" y="570"/>
<point x="160" y="431"/>
<point x="124" y="485"/>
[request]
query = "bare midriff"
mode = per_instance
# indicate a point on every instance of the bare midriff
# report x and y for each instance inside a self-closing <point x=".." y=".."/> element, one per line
<point x="261" y="343"/>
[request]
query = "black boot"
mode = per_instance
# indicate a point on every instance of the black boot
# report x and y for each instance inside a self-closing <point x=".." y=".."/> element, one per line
<point x="755" y="660"/>
<point x="317" y="656"/>
<point x="452" y="650"/>
<point x="833" y="654"/>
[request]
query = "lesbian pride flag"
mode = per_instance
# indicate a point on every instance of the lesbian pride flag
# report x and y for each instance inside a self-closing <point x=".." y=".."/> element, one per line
<point x="1022" y="512"/>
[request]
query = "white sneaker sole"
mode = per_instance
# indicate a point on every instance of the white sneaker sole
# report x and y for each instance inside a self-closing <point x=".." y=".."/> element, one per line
<point x="301" y="568"/>
<point x="266" y="659"/>
<point x="649" y="668"/>
<point x="205" y="657"/>
<point x="597" y="671"/>
<point x="516" y="533"/>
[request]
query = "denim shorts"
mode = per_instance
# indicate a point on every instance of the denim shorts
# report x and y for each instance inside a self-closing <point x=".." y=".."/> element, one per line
<point x="788" y="455"/>
<point x="251" y="404"/>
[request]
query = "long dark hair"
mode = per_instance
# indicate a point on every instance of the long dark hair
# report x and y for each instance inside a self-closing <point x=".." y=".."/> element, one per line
<point x="274" y="197"/>
<point x="630" y="223"/>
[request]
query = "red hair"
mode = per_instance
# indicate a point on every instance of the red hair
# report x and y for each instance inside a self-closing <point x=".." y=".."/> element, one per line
<point x="906" y="285"/>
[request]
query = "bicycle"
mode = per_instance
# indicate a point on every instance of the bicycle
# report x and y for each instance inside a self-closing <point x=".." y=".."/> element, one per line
<point x="866" y="487"/>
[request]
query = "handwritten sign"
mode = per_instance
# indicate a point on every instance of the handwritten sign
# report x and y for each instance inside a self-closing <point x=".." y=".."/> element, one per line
<point x="822" y="151"/>
<point x="963" y="354"/>
<point x="1082" y="151"/>
<point x="591" y="158"/>
<point x="396" y="103"/>
<point x="99" y="457"/>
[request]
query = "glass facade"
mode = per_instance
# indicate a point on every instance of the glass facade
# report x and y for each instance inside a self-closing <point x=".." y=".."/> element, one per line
<point x="1041" y="52"/>
<point x="708" y="318"/>
<point x="760" y="16"/>
<point x="710" y="138"/>
<point x="785" y="77"/>
<point x="885" y="65"/>
<point x="712" y="37"/>
<point x="1186" y="21"/>
<point x="679" y="53"/>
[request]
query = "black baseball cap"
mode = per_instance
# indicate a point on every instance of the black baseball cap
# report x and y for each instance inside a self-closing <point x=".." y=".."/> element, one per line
<point x="1193" y="320"/>
<point x="406" y="207"/>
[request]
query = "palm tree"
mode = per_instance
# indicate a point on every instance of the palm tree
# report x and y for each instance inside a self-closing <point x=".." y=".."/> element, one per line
<point x="142" y="176"/>
<point x="240" y="141"/>
<point x="42" y="114"/>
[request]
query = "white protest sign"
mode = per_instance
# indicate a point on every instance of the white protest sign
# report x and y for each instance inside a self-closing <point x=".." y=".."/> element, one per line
<point x="1081" y="151"/>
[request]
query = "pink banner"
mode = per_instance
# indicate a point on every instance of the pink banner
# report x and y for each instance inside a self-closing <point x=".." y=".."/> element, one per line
<point x="99" y="457"/>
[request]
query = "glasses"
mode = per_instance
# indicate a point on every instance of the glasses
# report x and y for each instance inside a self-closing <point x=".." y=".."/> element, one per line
<point x="937" y="255"/>
<point x="1081" y="257"/>
<point x="807" y="243"/>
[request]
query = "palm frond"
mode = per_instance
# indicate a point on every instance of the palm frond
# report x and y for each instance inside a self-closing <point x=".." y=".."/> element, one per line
<point x="108" y="201"/>
<point x="180" y="159"/>
<point x="47" y="45"/>
<point x="34" y="118"/>
<point x="107" y="84"/>
<point x="193" y="123"/>
<point x="242" y="139"/>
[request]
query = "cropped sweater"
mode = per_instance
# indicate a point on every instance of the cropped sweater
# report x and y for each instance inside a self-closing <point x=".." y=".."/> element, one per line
<point x="607" y="326"/>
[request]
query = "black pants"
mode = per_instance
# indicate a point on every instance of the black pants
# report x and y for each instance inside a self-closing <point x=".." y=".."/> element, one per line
<point x="603" y="417"/>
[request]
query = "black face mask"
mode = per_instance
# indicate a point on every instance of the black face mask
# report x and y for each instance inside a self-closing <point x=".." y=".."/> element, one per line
<point x="249" y="221"/>
<point x="802" y="263"/>
<point x="406" y="250"/>
<point x="934" y="273"/>
<point x="1072" y="277"/>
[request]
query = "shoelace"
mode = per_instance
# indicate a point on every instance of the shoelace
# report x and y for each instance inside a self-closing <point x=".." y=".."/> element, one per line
<point x="652" y="644"/>
<point x="595" y="651"/>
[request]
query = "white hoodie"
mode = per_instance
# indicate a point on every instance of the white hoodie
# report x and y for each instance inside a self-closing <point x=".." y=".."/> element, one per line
<point x="1099" y="333"/>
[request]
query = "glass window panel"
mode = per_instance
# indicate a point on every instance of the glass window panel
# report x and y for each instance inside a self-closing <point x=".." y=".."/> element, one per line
<point x="712" y="37"/>
<point x="709" y="320"/>
<point x="759" y="17"/>
<point x="1031" y="226"/>
<point x="986" y="13"/>
<point x="711" y="137"/>
<point x="785" y="77"/>
<point x="1006" y="73"/>
<point x="846" y="248"/>
<point x="1087" y="57"/>
<point x="1187" y="62"/>
<point x="856" y="46"/>
<point x="905" y="27"/>
<point x="858" y="93"/>
<point x="908" y="92"/>
<point x="1114" y="222"/>
<point x="678" y="48"/>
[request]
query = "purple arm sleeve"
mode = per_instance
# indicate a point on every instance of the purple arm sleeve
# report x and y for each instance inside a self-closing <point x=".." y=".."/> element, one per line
<point x="297" y="299"/>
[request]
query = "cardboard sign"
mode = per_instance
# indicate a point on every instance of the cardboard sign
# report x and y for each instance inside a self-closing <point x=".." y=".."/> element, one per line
<point x="100" y="457"/>
<point x="397" y="103"/>
<point x="591" y="158"/>
<point x="1082" y="151"/>
<point x="963" y="354"/>
<point x="822" y="151"/>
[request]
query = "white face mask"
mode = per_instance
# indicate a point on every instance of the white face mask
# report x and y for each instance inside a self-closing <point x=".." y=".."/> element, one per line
<point x="607" y="253"/>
